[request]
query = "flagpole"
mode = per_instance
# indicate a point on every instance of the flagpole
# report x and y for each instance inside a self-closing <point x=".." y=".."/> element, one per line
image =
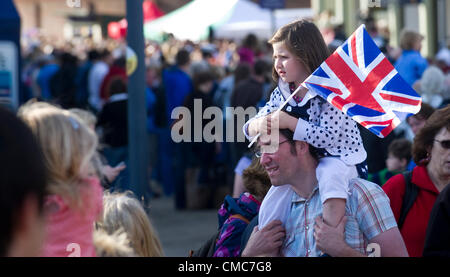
<point x="137" y="133"/>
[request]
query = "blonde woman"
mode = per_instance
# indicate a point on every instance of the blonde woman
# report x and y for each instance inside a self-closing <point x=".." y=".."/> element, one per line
<point x="122" y="211"/>
<point x="73" y="195"/>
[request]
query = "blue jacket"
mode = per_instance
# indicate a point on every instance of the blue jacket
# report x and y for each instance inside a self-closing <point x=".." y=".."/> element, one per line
<point x="411" y="66"/>
<point x="177" y="84"/>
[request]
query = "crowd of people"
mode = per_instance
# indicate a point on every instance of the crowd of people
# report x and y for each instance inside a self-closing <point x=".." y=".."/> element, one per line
<point x="328" y="188"/>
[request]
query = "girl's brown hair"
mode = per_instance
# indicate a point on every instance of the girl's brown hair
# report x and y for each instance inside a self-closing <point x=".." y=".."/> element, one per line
<point x="303" y="39"/>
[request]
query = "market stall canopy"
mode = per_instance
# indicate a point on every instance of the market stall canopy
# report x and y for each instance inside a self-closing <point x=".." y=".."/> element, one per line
<point x="232" y="19"/>
<point x="192" y="21"/>
<point x="248" y="17"/>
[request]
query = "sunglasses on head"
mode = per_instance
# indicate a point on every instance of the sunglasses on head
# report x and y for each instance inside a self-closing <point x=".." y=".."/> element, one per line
<point x="444" y="143"/>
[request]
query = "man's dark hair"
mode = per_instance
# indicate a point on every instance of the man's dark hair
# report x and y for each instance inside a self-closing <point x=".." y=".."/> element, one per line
<point x="22" y="174"/>
<point x="289" y="135"/>
<point x="182" y="58"/>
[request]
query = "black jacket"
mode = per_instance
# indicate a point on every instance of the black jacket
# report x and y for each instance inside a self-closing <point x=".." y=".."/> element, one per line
<point x="437" y="240"/>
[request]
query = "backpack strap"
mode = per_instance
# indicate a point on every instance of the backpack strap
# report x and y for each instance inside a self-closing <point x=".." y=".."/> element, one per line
<point x="238" y="216"/>
<point x="411" y="192"/>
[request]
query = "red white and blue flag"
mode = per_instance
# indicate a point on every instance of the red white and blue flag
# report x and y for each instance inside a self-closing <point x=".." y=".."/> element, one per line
<point x="360" y="81"/>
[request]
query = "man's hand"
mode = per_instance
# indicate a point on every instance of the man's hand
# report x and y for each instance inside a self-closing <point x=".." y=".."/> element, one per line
<point x="265" y="242"/>
<point x="330" y="240"/>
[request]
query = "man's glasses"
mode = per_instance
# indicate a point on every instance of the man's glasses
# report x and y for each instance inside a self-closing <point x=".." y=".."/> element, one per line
<point x="444" y="143"/>
<point x="268" y="149"/>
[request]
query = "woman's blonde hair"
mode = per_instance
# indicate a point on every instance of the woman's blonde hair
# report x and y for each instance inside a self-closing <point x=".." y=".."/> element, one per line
<point x="86" y="116"/>
<point x="122" y="211"/>
<point x="68" y="146"/>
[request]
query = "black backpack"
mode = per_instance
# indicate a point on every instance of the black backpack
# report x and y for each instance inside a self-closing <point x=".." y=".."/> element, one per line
<point x="411" y="192"/>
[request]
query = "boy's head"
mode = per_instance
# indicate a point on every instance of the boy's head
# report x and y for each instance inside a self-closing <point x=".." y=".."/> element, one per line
<point x="399" y="155"/>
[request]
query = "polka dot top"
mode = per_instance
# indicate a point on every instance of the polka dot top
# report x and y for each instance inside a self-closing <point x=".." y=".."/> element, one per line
<point x="322" y="126"/>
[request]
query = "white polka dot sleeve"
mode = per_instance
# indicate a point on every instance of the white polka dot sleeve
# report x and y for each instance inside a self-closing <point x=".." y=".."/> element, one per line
<point x="333" y="130"/>
<point x="275" y="101"/>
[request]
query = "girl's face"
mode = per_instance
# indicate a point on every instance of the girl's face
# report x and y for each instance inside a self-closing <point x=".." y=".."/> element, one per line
<point x="288" y="66"/>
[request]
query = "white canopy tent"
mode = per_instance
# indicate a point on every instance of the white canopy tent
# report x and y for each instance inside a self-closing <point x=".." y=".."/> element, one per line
<point x="248" y="17"/>
<point x="232" y="19"/>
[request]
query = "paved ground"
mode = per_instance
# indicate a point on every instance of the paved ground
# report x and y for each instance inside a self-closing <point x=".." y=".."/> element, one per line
<point x="181" y="231"/>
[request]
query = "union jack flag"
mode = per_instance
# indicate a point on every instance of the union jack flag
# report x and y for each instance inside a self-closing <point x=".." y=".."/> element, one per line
<point x="360" y="81"/>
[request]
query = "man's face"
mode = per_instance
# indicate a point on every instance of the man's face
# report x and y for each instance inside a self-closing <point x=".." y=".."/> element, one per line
<point x="279" y="163"/>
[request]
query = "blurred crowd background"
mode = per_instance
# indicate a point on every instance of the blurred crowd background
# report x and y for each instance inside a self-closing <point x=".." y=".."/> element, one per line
<point x="74" y="55"/>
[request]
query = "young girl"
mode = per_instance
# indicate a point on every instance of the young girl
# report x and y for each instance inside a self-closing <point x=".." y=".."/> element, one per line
<point x="124" y="212"/>
<point x="298" y="49"/>
<point x="74" y="194"/>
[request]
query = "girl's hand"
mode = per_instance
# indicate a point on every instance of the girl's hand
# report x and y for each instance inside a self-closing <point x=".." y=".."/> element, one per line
<point x="272" y="122"/>
<point x="283" y="120"/>
<point x="259" y="126"/>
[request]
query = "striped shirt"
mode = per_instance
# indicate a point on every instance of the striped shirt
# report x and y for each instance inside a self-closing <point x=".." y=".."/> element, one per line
<point x="367" y="210"/>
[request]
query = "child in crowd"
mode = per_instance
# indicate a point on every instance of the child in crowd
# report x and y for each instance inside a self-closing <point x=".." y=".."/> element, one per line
<point x="399" y="155"/>
<point x="74" y="194"/>
<point x="236" y="213"/>
<point x="122" y="211"/>
<point x="298" y="49"/>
